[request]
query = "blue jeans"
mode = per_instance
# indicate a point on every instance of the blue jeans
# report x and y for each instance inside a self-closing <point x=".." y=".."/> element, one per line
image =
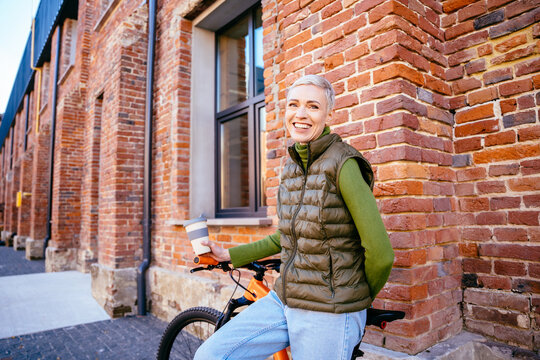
<point x="268" y="326"/>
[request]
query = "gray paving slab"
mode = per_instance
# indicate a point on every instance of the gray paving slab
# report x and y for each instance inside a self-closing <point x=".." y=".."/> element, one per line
<point x="46" y="301"/>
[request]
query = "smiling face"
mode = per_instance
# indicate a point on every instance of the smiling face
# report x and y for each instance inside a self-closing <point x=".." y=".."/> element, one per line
<point x="306" y="113"/>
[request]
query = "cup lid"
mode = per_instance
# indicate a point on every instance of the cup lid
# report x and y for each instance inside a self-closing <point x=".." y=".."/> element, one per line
<point x="193" y="221"/>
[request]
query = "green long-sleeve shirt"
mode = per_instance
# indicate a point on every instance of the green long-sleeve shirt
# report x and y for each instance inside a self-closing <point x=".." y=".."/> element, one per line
<point x="379" y="255"/>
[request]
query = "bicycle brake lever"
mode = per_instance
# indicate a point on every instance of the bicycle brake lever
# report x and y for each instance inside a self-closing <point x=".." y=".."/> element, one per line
<point x="197" y="269"/>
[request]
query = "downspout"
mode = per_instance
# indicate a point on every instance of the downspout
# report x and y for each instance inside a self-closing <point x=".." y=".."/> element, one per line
<point x="38" y="95"/>
<point x="147" y="190"/>
<point x="53" y="137"/>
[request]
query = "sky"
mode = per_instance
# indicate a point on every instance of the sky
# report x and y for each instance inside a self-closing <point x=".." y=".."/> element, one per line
<point x="15" y="26"/>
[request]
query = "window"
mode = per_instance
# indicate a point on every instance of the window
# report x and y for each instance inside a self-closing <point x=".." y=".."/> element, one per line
<point x="69" y="45"/>
<point x="240" y="117"/>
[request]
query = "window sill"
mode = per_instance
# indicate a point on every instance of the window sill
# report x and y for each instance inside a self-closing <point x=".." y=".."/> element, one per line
<point x="229" y="222"/>
<point x="65" y="74"/>
<point x="101" y="21"/>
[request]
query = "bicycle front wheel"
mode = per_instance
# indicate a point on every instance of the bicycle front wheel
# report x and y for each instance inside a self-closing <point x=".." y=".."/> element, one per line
<point x="187" y="332"/>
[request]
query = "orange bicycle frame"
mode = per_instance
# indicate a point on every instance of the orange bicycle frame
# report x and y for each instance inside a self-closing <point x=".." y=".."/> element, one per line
<point x="256" y="290"/>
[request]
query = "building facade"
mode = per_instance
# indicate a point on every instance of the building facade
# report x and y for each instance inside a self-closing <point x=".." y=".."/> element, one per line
<point x="130" y="117"/>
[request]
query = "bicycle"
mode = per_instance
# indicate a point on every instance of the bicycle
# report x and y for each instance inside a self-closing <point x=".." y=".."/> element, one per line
<point x="189" y="329"/>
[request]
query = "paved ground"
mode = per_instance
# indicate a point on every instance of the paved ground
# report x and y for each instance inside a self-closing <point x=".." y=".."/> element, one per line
<point x="126" y="338"/>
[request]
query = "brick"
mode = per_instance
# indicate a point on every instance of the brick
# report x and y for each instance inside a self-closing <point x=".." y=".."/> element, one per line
<point x="473" y="10"/>
<point x="477" y="266"/>
<point x="364" y="142"/>
<point x="520" y="118"/>
<point x="511" y="251"/>
<point x="461" y="57"/>
<point x="454" y="73"/>
<point x="452" y="5"/>
<point x="528" y="67"/>
<point x="392" y="87"/>
<point x="490" y="187"/>
<point x="389" y="206"/>
<point x="475" y="66"/>
<point x="518" y="7"/>
<point x="465" y="85"/>
<point x="531" y="200"/>
<point x="486" y="49"/>
<point x="489" y="19"/>
<point x="517" y="23"/>
<point x="511" y="43"/>
<point x="524" y="184"/>
<point x="357" y="51"/>
<point x="466" y="145"/>
<point x="392" y="7"/>
<point x="490" y="218"/>
<point x="391" y="121"/>
<point x="495" y="76"/>
<point x="508" y="234"/>
<point x="458" y="30"/>
<point x="509" y="105"/>
<point x="363" y="111"/>
<point x="401" y="102"/>
<point x="475" y="113"/>
<point x="397" y="70"/>
<point x="530" y="133"/>
<point x="530" y="167"/>
<point x="525" y="285"/>
<point x="499" y="170"/>
<point x="525" y="102"/>
<point x="482" y="96"/>
<point x="474" y="205"/>
<point x="471" y="174"/>
<point x="465" y="42"/>
<point x="515" y="87"/>
<point x="405" y="222"/>
<point x="514" y="55"/>
<point x="498" y="203"/>
<point x="478" y="127"/>
<point x="503" y="138"/>
<point x="515" y="152"/>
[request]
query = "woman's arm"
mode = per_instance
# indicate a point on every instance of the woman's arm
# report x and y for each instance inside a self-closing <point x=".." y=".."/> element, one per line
<point x="244" y="254"/>
<point x="379" y="255"/>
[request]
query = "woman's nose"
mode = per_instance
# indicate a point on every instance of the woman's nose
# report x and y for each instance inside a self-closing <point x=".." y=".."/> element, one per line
<point x="301" y="112"/>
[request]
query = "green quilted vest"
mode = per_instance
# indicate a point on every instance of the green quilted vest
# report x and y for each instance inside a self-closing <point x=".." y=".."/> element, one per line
<point x="322" y="256"/>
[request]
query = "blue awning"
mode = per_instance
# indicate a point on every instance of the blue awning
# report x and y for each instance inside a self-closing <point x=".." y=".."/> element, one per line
<point x="49" y="14"/>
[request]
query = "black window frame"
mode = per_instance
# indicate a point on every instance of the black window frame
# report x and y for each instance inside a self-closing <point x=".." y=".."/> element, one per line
<point x="251" y="107"/>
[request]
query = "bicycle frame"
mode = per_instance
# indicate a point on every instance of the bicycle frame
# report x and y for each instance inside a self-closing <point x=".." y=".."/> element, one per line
<point x="254" y="291"/>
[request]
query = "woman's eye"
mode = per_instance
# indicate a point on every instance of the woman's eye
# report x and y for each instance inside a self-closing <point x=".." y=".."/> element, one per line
<point x="292" y="105"/>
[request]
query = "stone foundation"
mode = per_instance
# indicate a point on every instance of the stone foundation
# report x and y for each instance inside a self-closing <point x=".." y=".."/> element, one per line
<point x="85" y="259"/>
<point x="464" y="346"/>
<point x="7" y="237"/>
<point x="19" y="242"/>
<point x="60" y="259"/>
<point x="34" y="249"/>
<point x="115" y="289"/>
<point x="173" y="292"/>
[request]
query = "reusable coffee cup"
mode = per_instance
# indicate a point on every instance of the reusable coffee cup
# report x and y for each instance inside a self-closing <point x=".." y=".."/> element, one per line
<point x="197" y="231"/>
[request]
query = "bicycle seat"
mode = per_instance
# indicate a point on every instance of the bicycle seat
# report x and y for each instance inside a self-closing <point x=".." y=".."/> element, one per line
<point x="380" y="317"/>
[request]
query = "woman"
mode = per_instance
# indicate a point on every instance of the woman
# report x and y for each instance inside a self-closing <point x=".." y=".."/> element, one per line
<point x="335" y="252"/>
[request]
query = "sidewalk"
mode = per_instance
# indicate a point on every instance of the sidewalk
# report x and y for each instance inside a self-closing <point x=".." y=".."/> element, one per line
<point x="54" y="316"/>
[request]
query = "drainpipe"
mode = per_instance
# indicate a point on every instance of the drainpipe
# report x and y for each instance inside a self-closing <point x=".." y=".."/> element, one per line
<point x="53" y="137"/>
<point x="147" y="190"/>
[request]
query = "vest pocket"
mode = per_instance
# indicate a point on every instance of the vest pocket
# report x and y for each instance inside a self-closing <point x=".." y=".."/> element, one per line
<point x="331" y="276"/>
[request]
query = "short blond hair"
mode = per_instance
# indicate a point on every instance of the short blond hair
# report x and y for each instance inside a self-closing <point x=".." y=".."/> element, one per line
<point x="320" y="82"/>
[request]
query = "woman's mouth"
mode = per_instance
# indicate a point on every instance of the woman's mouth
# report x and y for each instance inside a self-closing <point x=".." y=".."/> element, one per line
<point x="301" y="125"/>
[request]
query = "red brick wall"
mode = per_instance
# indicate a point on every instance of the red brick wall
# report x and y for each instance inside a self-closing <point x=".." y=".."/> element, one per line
<point x="492" y="48"/>
<point x="441" y="97"/>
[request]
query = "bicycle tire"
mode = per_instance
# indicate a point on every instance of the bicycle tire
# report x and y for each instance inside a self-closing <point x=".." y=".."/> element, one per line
<point x="186" y="332"/>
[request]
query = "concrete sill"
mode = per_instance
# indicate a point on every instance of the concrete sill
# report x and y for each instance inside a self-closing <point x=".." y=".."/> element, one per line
<point x="229" y="222"/>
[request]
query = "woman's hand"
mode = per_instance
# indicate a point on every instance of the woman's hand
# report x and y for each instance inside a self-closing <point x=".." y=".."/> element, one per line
<point x="217" y="252"/>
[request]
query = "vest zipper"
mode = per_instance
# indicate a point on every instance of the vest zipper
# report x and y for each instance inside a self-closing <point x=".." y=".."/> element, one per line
<point x="293" y="231"/>
<point x="332" y="277"/>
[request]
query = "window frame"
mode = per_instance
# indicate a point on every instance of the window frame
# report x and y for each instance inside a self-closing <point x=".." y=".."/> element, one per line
<point x="251" y="106"/>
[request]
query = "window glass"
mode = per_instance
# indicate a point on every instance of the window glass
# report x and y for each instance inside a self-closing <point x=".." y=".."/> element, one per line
<point x="234" y="64"/>
<point x="262" y="155"/>
<point x="259" y="64"/>
<point x="234" y="163"/>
